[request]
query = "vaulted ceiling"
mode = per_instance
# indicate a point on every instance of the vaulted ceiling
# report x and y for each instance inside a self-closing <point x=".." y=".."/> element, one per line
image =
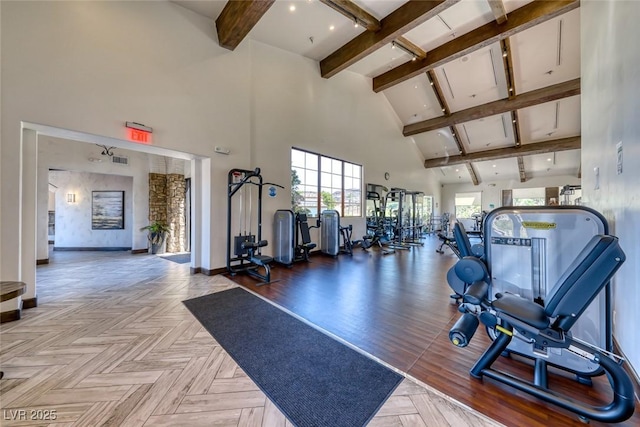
<point x="486" y="89"/>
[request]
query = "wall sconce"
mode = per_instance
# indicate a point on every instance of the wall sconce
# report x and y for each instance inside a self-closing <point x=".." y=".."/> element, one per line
<point x="71" y="197"/>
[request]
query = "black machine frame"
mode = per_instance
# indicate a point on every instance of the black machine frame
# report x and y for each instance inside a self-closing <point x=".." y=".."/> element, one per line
<point x="246" y="256"/>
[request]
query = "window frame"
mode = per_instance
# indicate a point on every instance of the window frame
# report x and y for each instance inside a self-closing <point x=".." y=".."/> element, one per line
<point x="342" y="205"/>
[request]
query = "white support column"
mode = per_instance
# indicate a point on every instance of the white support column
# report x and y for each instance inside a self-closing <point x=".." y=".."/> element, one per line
<point x="42" y="230"/>
<point x="28" y="207"/>
<point x="196" y="213"/>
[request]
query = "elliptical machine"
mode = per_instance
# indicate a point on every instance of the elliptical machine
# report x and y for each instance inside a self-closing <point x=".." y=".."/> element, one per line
<point x="292" y="236"/>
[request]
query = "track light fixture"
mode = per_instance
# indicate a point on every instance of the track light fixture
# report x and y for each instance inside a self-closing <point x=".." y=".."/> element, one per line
<point x="406" y="50"/>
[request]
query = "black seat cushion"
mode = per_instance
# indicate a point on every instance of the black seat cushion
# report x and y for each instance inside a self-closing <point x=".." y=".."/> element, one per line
<point x="522" y="309"/>
<point x="261" y="259"/>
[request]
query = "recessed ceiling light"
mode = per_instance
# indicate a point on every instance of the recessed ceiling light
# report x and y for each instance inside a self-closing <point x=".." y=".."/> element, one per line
<point x="332" y="27"/>
<point x="415" y="87"/>
<point x="457" y="170"/>
<point x="292" y="8"/>
<point x="549" y="159"/>
<point x="494" y="166"/>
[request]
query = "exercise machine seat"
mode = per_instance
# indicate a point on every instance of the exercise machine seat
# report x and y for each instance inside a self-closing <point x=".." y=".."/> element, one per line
<point x="522" y="309"/>
<point x="257" y="259"/>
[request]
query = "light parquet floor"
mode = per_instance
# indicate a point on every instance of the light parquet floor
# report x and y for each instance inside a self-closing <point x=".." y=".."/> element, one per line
<point x="111" y="344"/>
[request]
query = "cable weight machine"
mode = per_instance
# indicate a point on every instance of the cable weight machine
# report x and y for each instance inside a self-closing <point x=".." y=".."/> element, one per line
<point x="244" y="249"/>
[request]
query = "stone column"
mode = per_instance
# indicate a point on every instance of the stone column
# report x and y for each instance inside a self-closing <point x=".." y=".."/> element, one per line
<point x="175" y="212"/>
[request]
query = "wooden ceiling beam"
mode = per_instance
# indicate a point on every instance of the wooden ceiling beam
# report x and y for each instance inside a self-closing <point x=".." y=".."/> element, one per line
<point x="238" y="18"/>
<point x="528" y="99"/>
<point x="544" y="147"/>
<point x="519" y="20"/>
<point x="409" y="46"/>
<point x="523" y="175"/>
<point x="394" y="25"/>
<point x="354" y="12"/>
<point x="499" y="12"/>
<point x="473" y="174"/>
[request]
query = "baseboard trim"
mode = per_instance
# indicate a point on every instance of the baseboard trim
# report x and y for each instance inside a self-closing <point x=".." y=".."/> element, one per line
<point x="635" y="379"/>
<point x="29" y="303"/>
<point x="42" y="261"/>
<point x="10" y="316"/>
<point x="106" y="249"/>
<point x="139" y="251"/>
<point x="207" y="272"/>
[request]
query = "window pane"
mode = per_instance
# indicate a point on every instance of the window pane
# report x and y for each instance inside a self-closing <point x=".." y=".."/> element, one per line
<point x="336" y="181"/>
<point x="325" y="164"/>
<point x="311" y="161"/>
<point x="348" y="183"/>
<point x="348" y="169"/>
<point x="325" y="179"/>
<point x="356" y="171"/>
<point x="297" y="158"/>
<point x="311" y="177"/>
<point x="336" y="166"/>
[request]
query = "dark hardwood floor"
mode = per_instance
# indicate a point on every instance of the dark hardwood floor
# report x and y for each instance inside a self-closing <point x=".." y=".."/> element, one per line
<point x="397" y="308"/>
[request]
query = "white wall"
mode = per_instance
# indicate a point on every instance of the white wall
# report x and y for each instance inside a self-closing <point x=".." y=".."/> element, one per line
<point x="341" y="117"/>
<point x="73" y="220"/>
<point x="492" y="194"/>
<point x="610" y="105"/>
<point x="57" y="153"/>
<point x="91" y="66"/>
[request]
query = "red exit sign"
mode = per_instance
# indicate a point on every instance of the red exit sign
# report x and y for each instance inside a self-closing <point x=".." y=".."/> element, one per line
<point x="139" y="136"/>
<point x="139" y="133"/>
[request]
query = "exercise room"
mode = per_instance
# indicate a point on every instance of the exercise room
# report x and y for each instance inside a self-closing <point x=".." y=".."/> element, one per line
<point x="319" y="213"/>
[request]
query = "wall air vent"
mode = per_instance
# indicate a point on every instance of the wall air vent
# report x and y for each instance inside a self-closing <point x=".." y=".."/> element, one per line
<point x="120" y="160"/>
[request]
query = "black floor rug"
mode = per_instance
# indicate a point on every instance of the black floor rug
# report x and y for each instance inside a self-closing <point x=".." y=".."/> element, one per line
<point x="315" y="380"/>
<point x="179" y="258"/>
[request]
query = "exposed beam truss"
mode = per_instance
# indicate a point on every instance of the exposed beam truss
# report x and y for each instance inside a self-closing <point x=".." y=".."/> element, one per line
<point x="519" y="20"/>
<point x="473" y="174"/>
<point x="544" y="147"/>
<point x="523" y="175"/>
<point x="528" y="99"/>
<point x="238" y="18"/>
<point x="499" y="12"/>
<point x="354" y="13"/>
<point x="394" y="25"/>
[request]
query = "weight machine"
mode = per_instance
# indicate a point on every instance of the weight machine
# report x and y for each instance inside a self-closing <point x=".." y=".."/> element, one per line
<point x="244" y="255"/>
<point x="542" y="291"/>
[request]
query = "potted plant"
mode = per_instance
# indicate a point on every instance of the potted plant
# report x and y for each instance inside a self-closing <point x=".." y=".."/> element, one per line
<point x="157" y="233"/>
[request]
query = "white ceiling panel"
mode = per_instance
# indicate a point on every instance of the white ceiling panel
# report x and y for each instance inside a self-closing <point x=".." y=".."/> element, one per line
<point x="436" y="144"/>
<point x="306" y="30"/>
<point x="487" y="134"/>
<point x="452" y="22"/>
<point x="474" y="79"/>
<point x="414" y="100"/>
<point x="511" y="5"/>
<point x="380" y="61"/>
<point x="497" y="170"/>
<point x="552" y="120"/>
<point x="548" y="53"/>
<point x="456" y="174"/>
<point x="379" y="8"/>
<point x="560" y="163"/>
<point x="210" y="9"/>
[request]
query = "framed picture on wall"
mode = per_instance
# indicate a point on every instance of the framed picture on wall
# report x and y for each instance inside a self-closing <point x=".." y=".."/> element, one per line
<point x="107" y="210"/>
